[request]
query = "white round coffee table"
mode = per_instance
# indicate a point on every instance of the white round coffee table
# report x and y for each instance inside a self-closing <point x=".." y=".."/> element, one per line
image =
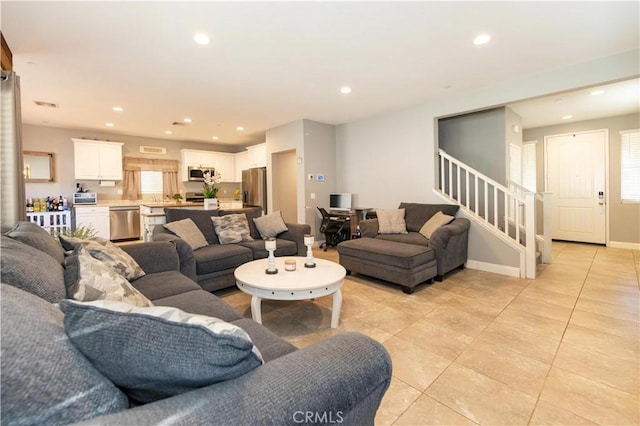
<point x="303" y="283"/>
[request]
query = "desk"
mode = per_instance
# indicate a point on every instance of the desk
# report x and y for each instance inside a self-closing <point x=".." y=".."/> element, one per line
<point x="355" y="216"/>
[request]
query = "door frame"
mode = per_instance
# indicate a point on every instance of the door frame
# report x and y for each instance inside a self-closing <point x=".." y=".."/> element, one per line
<point x="606" y="170"/>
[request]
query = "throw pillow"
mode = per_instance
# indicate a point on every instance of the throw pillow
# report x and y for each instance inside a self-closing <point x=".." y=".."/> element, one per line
<point x="89" y="279"/>
<point x="44" y="378"/>
<point x="168" y="351"/>
<point x="436" y="221"/>
<point x="36" y="237"/>
<point x="232" y="228"/>
<point x="188" y="231"/>
<point x="391" y="221"/>
<point x="270" y="225"/>
<point x="108" y="253"/>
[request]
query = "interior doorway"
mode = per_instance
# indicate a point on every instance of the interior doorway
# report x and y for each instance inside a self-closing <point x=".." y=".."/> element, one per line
<point x="575" y="174"/>
<point x="284" y="185"/>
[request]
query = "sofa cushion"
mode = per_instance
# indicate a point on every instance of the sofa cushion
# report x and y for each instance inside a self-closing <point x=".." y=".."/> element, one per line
<point x="384" y="252"/>
<point x="108" y="253"/>
<point x="36" y="237"/>
<point x="89" y="279"/>
<point x="167" y="351"/>
<point x="232" y="228"/>
<point x="164" y="284"/>
<point x="31" y="270"/>
<point x="283" y="248"/>
<point x="45" y="380"/>
<point x="270" y="345"/>
<point x="417" y="214"/>
<point x="202" y="219"/>
<point x="270" y="225"/>
<point x="200" y="302"/>
<point x="391" y="221"/>
<point x="251" y="213"/>
<point x="187" y="230"/>
<point x="216" y="257"/>
<point x="436" y="221"/>
<point x="409" y="238"/>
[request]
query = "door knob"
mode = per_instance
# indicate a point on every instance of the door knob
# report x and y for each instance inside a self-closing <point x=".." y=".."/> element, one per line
<point x="601" y="203"/>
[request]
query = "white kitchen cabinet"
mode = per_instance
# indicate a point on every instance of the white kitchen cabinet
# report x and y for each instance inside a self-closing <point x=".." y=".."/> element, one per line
<point x="242" y="163"/>
<point x="225" y="164"/>
<point x="195" y="158"/>
<point x="96" y="217"/>
<point x="257" y="155"/>
<point x="97" y="160"/>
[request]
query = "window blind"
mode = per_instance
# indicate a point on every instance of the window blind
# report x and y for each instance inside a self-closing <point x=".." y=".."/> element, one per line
<point x="150" y="182"/>
<point x="630" y="165"/>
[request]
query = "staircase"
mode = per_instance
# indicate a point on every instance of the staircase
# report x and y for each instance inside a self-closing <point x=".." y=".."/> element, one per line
<point x="510" y="213"/>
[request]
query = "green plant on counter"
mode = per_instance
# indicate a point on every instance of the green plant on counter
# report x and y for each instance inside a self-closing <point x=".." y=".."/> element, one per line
<point x="177" y="197"/>
<point x="82" y="232"/>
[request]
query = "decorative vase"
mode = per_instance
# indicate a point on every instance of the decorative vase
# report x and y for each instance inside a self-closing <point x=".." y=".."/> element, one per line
<point x="210" y="203"/>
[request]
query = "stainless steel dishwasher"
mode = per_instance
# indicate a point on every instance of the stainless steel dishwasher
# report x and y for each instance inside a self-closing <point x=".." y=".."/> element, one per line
<point x="124" y="222"/>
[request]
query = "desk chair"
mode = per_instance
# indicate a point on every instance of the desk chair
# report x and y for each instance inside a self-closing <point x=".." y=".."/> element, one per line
<point x="335" y="229"/>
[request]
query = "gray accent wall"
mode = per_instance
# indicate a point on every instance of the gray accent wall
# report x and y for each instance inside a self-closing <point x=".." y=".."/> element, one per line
<point x="477" y="139"/>
<point x="624" y="218"/>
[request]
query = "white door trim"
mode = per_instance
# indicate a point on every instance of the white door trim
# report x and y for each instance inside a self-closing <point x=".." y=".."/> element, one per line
<point x="606" y="170"/>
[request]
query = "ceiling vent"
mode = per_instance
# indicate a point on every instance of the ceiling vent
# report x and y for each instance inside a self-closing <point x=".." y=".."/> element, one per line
<point x="45" y="104"/>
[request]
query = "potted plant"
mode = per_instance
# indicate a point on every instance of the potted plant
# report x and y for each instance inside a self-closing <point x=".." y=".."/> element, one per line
<point x="177" y="197"/>
<point x="209" y="190"/>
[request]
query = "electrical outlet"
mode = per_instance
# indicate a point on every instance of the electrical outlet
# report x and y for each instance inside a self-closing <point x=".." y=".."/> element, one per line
<point x="119" y="191"/>
<point x="313" y="195"/>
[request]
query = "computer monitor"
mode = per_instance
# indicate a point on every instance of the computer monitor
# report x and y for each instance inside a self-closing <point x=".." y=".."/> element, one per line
<point x="340" y="201"/>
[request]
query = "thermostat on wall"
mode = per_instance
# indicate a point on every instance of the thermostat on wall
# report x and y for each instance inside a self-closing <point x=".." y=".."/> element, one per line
<point x="320" y="177"/>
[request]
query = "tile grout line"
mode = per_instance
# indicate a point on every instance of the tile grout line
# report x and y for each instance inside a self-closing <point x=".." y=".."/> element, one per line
<point x="560" y="342"/>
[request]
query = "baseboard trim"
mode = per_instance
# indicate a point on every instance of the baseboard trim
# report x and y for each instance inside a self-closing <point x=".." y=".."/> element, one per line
<point x="623" y="245"/>
<point x="511" y="271"/>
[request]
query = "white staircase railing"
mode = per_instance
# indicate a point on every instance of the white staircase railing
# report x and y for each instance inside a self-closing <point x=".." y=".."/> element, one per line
<point x="508" y="213"/>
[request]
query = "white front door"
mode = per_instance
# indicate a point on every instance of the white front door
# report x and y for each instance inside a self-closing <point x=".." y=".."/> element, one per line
<point x="575" y="175"/>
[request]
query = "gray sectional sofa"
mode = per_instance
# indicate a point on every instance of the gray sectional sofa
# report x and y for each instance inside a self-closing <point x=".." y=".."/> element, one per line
<point x="215" y="263"/>
<point x="45" y="379"/>
<point x="409" y="258"/>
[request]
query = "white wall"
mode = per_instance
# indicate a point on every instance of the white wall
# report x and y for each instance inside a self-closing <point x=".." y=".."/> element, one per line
<point x="390" y="158"/>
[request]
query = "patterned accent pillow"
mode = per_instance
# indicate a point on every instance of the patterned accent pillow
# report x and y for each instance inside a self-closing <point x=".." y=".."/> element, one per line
<point x="108" y="253"/>
<point x="187" y="230"/>
<point x="232" y="228"/>
<point x="437" y="220"/>
<point x="89" y="279"/>
<point x="391" y="221"/>
<point x="270" y="225"/>
<point x="169" y="351"/>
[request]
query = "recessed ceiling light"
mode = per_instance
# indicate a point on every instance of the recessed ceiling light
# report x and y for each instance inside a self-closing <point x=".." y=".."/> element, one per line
<point x="596" y="92"/>
<point x="345" y="90"/>
<point x="168" y="132"/>
<point x="481" y="39"/>
<point x="187" y="120"/>
<point x="239" y="128"/>
<point x="215" y="138"/>
<point x="109" y="124"/>
<point x="201" y="38"/>
<point x="117" y="109"/>
<point x="567" y="117"/>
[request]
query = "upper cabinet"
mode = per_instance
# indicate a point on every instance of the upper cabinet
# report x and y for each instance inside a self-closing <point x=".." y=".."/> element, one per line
<point x="97" y="160"/>
<point x="257" y="155"/>
<point x="242" y="163"/>
<point x="222" y="162"/>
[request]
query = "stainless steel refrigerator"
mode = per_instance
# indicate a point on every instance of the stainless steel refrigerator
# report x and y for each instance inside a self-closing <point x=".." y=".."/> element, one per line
<point x="254" y="187"/>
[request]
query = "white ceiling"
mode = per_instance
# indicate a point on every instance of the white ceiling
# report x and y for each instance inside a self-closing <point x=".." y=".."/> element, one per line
<point x="272" y="63"/>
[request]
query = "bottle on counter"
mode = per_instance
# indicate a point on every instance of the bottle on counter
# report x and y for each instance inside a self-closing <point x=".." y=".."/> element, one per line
<point x="36" y="205"/>
<point x="65" y="204"/>
<point x="60" y="203"/>
<point x="29" y="205"/>
<point x="78" y="188"/>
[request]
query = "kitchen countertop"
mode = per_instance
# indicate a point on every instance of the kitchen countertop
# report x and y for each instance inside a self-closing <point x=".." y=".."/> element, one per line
<point x="151" y="204"/>
<point x="172" y="204"/>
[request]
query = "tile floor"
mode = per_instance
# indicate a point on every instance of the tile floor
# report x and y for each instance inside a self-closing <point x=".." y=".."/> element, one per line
<point x="481" y="348"/>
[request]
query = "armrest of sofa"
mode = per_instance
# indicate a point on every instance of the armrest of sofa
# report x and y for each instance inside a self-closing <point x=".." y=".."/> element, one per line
<point x="369" y="228"/>
<point x="296" y="234"/>
<point x="450" y="243"/>
<point x="338" y="380"/>
<point x="160" y="256"/>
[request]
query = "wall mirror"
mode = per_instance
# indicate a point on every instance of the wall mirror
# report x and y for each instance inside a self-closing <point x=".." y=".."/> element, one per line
<point x="38" y="167"/>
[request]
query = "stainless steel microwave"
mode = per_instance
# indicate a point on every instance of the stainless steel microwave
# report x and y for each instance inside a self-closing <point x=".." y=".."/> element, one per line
<point x="196" y="174"/>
